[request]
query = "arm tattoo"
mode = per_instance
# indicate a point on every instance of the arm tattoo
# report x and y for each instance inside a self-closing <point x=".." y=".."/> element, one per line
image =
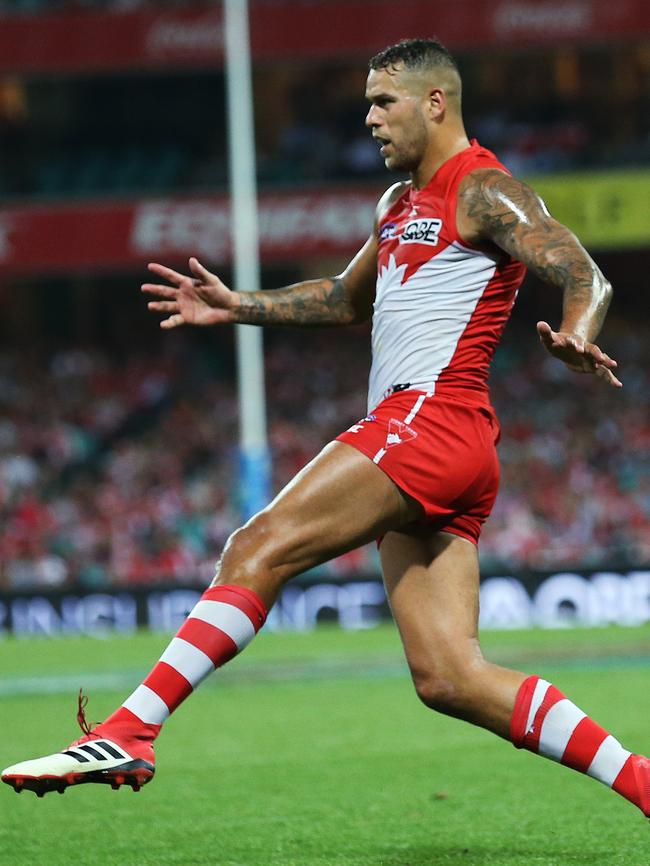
<point x="510" y="214"/>
<point x="312" y="303"/>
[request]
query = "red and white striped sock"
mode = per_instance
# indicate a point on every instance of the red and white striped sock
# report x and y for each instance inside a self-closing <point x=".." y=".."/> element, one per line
<point x="221" y="624"/>
<point x="546" y="722"/>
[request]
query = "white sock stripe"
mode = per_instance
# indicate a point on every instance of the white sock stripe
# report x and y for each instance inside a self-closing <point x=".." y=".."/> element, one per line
<point x="188" y="660"/>
<point x="147" y="706"/>
<point x="228" y="618"/>
<point x="541" y="687"/>
<point x="560" y="722"/>
<point x="608" y="761"/>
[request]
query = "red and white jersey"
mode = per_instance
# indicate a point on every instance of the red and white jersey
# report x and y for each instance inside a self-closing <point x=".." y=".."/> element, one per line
<point x="441" y="304"/>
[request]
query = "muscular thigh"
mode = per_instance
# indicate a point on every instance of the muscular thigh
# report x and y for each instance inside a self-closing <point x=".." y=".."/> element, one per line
<point x="339" y="501"/>
<point x="432" y="583"/>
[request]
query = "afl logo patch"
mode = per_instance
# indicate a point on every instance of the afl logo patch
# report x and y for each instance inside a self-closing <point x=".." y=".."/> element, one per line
<point x="387" y="231"/>
<point x="422" y="231"/>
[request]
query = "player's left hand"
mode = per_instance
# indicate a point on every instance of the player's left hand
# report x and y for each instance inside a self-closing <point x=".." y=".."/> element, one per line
<point x="578" y="354"/>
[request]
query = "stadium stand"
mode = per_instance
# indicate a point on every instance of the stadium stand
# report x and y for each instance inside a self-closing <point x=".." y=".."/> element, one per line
<point x="81" y="137"/>
<point x="128" y="474"/>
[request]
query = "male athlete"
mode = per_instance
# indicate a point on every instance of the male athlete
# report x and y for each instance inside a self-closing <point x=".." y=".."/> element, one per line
<point x="438" y="275"/>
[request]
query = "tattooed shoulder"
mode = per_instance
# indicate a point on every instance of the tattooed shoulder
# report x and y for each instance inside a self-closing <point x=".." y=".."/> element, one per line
<point x="509" y="213"/>
<point x="492" y="204"/>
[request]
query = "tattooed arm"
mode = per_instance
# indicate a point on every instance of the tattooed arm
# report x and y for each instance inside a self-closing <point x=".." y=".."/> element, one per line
<point x="496" y="208"/>
<point x="342" y="300"/>
<point x="204" y="300"/>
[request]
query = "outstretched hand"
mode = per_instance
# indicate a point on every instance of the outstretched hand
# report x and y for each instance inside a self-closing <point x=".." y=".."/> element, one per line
<point x="201" y="299"/>
<point x="578" y="354"/>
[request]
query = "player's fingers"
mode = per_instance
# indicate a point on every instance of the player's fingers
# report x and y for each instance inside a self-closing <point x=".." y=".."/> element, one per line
<point x="161" y="291"/>
<point x="546" y="333"/>
<point x="199" y="271"/>
<point x="166" y="273"/>
<point x="607" y="376"/>
<point x="164" y="306"/>
<point x="172" y="322"/>
<point x="599" y="356"/>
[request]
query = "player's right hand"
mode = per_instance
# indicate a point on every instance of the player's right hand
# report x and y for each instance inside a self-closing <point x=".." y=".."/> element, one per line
<point x="201" y="299"/>
<point x="578" y="354"/>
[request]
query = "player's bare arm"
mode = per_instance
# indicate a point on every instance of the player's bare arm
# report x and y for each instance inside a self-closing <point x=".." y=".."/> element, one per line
<point x="203" y="299"/>
<point x="500" y="209"/>
<point x="343" y="300"/>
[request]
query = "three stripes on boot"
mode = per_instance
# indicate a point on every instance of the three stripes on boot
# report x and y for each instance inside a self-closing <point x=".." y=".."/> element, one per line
<point x="100" y="750"/>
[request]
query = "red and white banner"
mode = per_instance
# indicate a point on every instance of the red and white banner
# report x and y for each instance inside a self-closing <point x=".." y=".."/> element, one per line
<point x="112" y="235"/>
<point x="193" y="38"/>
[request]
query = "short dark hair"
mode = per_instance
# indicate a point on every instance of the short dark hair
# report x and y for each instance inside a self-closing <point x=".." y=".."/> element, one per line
<point x="414" y="54"/>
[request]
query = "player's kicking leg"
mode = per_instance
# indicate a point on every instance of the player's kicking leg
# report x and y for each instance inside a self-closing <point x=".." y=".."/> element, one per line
<point x="432" y="583"/>
<point x="338" y="502"/>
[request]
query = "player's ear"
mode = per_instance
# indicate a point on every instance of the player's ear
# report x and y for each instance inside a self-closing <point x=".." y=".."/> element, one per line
<point x="436" y="103"/>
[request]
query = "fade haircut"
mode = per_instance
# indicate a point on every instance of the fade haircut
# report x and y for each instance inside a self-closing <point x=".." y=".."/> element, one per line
<point x="416" y="54"/>
<point x="422" y="55"/>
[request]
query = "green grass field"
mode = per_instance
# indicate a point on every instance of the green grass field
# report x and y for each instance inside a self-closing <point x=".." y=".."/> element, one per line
<point x="312" y="749"/>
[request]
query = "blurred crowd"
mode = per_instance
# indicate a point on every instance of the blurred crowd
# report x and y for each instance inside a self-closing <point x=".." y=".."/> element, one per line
<point x="575" y="458"/>
<point x="122" y="470"/>
<point x="78" y="136"/>
<point x="334" y="146"/>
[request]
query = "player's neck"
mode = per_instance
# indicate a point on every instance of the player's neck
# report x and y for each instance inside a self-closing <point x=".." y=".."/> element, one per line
<point x="437" y="154"/>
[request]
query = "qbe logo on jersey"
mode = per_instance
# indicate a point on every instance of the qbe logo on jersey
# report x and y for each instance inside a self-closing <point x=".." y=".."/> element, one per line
<point x="421" y="231"/>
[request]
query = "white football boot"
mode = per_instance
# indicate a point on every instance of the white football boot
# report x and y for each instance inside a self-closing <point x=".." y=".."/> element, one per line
<point x="91" y="758"/>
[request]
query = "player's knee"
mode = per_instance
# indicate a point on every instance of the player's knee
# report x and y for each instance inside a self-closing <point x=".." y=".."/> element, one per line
<point x="257" y="552"/>
<point x="248" y="548"/>
<point x="436" y="692"/>
<point x="445" y="688"/>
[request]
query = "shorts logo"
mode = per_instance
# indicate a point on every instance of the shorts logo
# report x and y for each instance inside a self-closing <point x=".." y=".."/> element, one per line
<point x="398" y="433"/>
<point x="421" y="231"/>
<point x="356" y="428"/>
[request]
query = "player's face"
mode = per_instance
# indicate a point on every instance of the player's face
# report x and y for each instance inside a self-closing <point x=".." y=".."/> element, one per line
<point x="396" y="119"/>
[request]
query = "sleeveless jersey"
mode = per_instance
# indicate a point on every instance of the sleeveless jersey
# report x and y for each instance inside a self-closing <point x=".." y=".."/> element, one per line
<point x="441" y="304"/>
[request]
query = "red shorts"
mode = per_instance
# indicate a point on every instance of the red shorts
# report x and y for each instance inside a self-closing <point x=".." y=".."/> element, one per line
<point x="438" y="450"/>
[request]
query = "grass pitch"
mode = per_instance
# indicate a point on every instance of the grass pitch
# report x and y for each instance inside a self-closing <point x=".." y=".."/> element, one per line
<point x="311" y="750"/>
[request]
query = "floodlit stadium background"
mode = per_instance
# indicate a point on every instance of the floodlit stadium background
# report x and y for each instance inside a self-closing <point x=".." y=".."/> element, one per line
<point x="118" y="443"/>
